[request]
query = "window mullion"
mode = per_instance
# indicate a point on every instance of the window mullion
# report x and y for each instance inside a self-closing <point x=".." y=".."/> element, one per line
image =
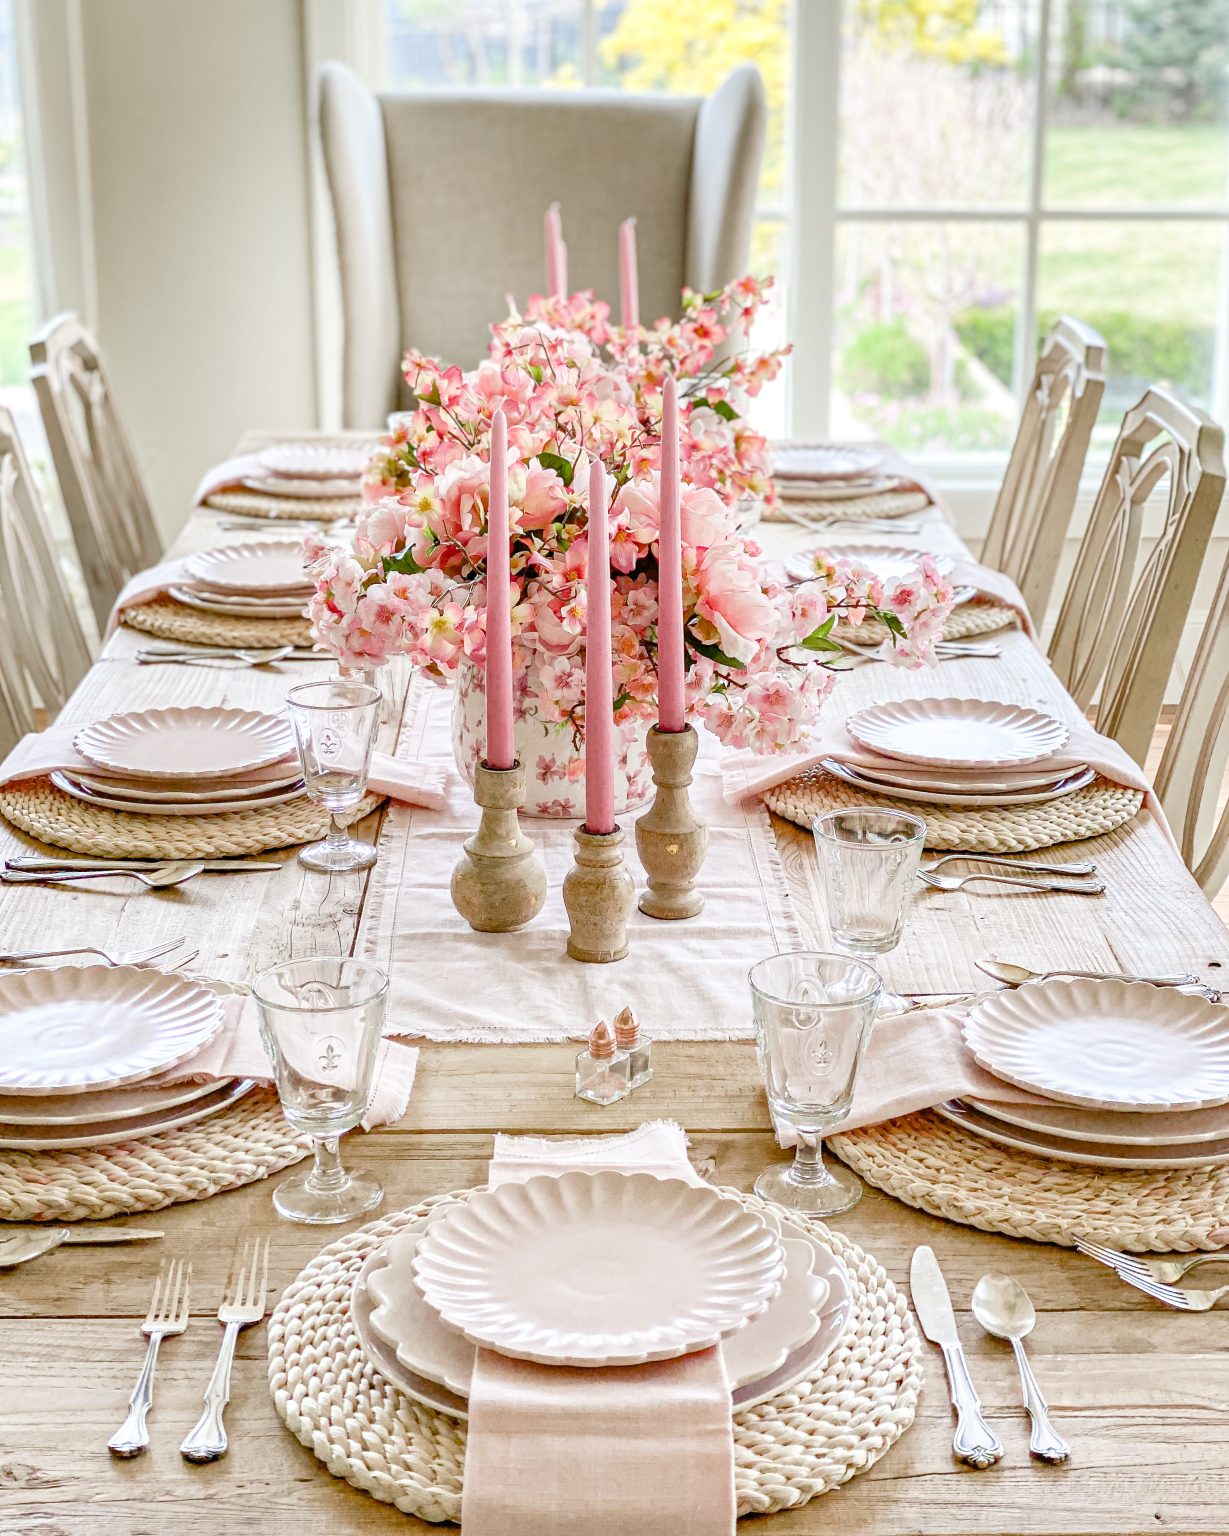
<point x="1026" y="328"/>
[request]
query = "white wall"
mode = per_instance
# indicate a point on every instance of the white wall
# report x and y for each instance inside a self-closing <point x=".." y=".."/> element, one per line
<point x="192" y="212"/>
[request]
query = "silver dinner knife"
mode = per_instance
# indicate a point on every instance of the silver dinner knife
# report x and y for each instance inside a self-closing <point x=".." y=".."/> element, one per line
<point x="216" y="866"/>
<point x="974" y="1441"/>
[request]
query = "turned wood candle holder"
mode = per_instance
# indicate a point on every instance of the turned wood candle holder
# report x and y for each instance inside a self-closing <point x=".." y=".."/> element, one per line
<point x="499" y="883"/>
<point x="598" y="892"/>
<point x="670" y="839"/>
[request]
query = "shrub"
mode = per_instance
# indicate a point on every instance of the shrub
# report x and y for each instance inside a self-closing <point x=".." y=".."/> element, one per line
<point x="885" y="360"/>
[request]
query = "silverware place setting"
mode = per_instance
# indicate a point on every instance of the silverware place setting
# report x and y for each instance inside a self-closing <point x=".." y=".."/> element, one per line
<point x="114" y="958"/>
<point x="959" y="883"/>
<point x="973" y="1442"/>
<point x="1003" y="1308"/>
<point x="153" y="873"/>
<point x="1013" y="975"/>
<point x="1156" y="1277"/>
<point x="243" y="656"/>
<point x="245" y="1298"/>
<point x="1077" y="877"/>
<point x="167" y="1317"/>
<point x="18" y="1245"/>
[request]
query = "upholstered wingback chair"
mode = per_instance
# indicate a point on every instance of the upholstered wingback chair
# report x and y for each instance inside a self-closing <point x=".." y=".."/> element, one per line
<point x="438" y="201"/>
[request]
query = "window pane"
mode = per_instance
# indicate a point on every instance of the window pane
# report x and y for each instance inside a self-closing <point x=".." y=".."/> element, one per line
<point x="769" y="257"/>
<point x="1151" y="289"/>
<point x="1138" y="104"/>
<point x="925" y="334"/>
<point x="936" y="104"/>
<point x="16" y="278"/>
<point x="430" y="43"/>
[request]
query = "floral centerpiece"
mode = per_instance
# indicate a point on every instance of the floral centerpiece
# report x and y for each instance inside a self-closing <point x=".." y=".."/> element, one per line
<point x="572" y="386"/>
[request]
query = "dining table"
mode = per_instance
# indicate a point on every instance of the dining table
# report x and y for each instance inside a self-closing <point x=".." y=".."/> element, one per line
<point x="1141" y="1392"/>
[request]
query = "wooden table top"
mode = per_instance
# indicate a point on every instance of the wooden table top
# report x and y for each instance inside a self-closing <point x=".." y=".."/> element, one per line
<point x="1140" y="1392"/>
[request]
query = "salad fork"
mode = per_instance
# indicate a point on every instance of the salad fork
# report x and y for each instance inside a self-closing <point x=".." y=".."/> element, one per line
<point x="1181" y="1299"/>
<point x="167" y="1315"/>
<point x="1162" y="1271"/>
<point x="1034" y="865"/>
<point x="244" y="1301"/>
<point x="958" y="883"/>
<point x="120" y="957"/>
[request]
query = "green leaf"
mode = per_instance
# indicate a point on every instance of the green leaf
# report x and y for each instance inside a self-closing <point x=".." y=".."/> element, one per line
<point x="535" y="373"/>
<point x="892" y="622"/>
<point x="562" y="467"/>
<point x="818" y="642"/>
<point x="724" y="409"/>
<point x="403" y="564"/>
<point x="623" y="698"/>
<point x="434" y="397"/>
<point x="714" y="653"/>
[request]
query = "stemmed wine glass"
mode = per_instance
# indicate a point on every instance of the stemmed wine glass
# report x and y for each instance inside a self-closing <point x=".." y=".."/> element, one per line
<point x="321" y="1021"/>
<point x="813" y="1016"/>
<point x="868" y="864"/>
<point x="335" y="724"/>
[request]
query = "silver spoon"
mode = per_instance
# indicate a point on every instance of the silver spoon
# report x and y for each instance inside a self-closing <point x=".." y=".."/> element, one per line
<point x="157" y="878"/>
<point x="26" y="1243"/>
<point x="1001" y="1305"/>
<point x="1016" y="975"/>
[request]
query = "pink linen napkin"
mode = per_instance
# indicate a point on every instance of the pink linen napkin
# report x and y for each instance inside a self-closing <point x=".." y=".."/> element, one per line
<point x="44" y="752"/>
<point x="631" y="1451"/>
<point x="994" y="585"/>
<point x="744" y="773"/>
<point x="237" y="1051"/>
<point x="146" y="585"/>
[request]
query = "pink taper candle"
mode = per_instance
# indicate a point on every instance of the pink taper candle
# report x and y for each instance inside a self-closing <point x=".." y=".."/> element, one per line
<point x="556" y="255"/>
<point x="500" y="747"/>
<point x="599" y="717"/>
<point x="670" y="573"/>
<point x="629" y="277"/>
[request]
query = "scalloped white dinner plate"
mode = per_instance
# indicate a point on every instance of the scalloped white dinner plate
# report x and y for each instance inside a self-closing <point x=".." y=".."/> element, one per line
<point x="283" y="485"/>
<point x="802" y="1363"/>
<point x="108" y="1133"/>
<point x="1097" y="1155"/>
<point x="256" y="799"/>
<point x="958" y="733"/>
<point x="888" y="561"/>
<point x="425" y="1346"/>
<point x="263" y="568"/>
<point x="598" y="1269"/>
<point x="1124" y="1045"/>
<point x="315" y="461"/>
<point x="239" y="607"/>
<point x="74" y="1028"/>
<point x="820" y="461"/>
<point x="101" y="1104"/>
<point x="1110" y="1127"/>
<point x="194" y="743"/>
<point x="183" y="789"/>
<point x="1053" y="789"/>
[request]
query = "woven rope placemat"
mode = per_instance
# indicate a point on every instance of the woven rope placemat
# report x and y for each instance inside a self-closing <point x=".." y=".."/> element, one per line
<point x="930" y="1164"/>
<point x="321" y="509"/>
<point x="975" y="618"/>
<point x="1098" y="808"/>
<point x="797" y="509"/>
<point x="237" y="1146"/>
<point x="169" y="620"/>
<point x="47" y="813"/>
<point x="801" y="1443"/>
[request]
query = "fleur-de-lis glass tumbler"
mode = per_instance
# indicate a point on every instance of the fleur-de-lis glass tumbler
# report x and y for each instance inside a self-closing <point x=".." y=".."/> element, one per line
<point x="320" y="1022"/>
<point x="335" y="724"/>
<point x="813" y="1016"/>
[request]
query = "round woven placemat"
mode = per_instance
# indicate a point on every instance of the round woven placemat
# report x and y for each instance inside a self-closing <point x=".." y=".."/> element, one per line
<point x="975" y="618"/>
<point x="321" y="509"/>
<point x="801" y="1443"/>
<point x="797" y="509"/>
<point x="169" y="620"/>
<point x="237" y="1146"/>
<point x="1098" y="808"/>
<point x="47" y="813"/>
<point x="929" y="1163"/>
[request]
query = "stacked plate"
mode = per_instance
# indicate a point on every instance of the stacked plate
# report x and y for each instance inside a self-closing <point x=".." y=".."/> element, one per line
<point x="85" y="1052"/>
<point x="310" y="469"/>
<point x="829" y="471"/>
<point x="599" y="1270"/>
<point x="1130" y="1075"/>
<point x="960" y="752"/>
<point x="184" y="762"/>
<point x="256" y="580"/>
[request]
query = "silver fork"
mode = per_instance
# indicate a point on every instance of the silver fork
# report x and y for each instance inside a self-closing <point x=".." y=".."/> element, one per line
<point x="1013" y="863"/>
<point x="1182" y="1300"/>
<point x="1162" y="1271"/>
<point x="958" y="883"/>
<point x="120" y="957"/>
<point x="167" y="1315"/>
<point x="244" y="1303"/>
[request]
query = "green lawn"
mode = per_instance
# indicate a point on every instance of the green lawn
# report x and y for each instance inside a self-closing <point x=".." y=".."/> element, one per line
<point x="16" y="311"/>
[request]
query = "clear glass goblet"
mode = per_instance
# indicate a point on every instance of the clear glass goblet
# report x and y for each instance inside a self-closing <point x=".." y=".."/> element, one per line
<point x="813" y="1016"/>
<point x="335" y="724"/>
<point x="321" y="1021"/>
<point x="868" y="863"/>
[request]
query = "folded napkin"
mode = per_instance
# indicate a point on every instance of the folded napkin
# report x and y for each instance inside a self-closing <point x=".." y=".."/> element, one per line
<point x="994" y="585"/>
<point x="236" y="1051"/>
<point x="45" y="752"/>
<point x="746" y="774"/>
<point x="630" y="1451"/>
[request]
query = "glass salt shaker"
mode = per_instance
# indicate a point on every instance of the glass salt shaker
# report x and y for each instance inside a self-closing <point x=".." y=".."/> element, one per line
<point x="629" y="1038"/>
<point x="603" y="1071"/>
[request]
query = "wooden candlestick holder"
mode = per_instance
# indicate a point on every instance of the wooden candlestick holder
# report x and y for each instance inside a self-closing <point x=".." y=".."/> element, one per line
<point x="670" y="839"/>
<point x="598" y="892"/>
<point x="499" y="883"/>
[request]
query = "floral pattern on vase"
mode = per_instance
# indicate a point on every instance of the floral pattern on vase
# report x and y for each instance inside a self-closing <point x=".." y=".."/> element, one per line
<point x="554" y="765"/>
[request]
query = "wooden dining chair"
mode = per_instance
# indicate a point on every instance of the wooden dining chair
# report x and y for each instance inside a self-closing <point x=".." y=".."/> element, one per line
<point x="488" y="163"/>
<point x="1033" y="511"/>
<point x="1119" y="627"/>
<point x="100" y="478"/>
<point x="1196" y="753"/>
<point x="43" y="649"/>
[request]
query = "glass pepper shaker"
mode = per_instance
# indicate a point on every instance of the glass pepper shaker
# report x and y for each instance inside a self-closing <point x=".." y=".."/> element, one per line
<point x="630" y="1038"/>
<point x="603" y="1071"/>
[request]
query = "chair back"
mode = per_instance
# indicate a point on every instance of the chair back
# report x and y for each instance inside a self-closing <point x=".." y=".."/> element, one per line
<point x="439" y="197"/>
<point x="100" y="479"/>
<point x="1119" y="626"/>
<point x="1033" y="511"/>
<point x="43" y="650"/>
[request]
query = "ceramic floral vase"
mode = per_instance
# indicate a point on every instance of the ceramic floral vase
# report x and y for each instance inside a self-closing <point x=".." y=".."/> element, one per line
<point x="554" y="766"/>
